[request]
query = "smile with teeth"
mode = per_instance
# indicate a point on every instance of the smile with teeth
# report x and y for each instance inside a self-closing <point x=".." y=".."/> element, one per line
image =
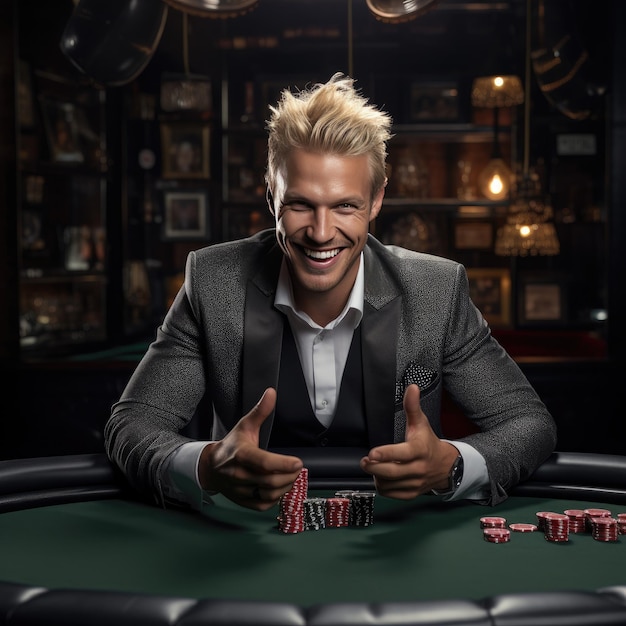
<point x="322" y="255"/>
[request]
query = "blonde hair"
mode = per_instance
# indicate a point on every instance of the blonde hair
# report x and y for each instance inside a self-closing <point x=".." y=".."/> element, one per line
<point x="330" y="117"/>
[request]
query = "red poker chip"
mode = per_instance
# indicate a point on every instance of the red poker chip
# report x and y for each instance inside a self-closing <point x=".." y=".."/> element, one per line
<point x="523" y="528"/>
<point x="493" y="522"/>
<point x="497" y="535"/>
<point x="598" y="513"/>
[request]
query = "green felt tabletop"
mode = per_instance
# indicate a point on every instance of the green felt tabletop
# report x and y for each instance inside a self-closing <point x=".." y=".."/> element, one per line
<point x="422" y="550"/>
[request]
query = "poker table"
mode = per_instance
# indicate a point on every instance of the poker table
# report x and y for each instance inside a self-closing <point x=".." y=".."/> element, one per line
<point x="78" y="547"/>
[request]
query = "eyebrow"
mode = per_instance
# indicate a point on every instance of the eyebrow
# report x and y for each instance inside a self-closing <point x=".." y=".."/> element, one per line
<point x="355" y="200"/>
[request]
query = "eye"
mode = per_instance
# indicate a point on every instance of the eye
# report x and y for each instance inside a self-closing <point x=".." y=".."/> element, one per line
<point x="296" y="205"/>
<point x="345" y="207"/>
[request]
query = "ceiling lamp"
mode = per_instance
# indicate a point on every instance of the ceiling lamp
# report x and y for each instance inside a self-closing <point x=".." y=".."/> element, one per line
<point x="495" y="92"/>
<point x="397" y="11"/>
<point x="529" y="230"/>
<point x="214" y="8"/>
<point x="499" y="91"/>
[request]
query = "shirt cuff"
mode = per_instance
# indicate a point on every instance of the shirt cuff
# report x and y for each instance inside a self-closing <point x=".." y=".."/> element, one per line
<point x="475" y="482"/>
<point x="181" y="481"/>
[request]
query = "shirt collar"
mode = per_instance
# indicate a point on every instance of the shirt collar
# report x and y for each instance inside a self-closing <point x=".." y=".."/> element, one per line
<point x="284" y="299"/>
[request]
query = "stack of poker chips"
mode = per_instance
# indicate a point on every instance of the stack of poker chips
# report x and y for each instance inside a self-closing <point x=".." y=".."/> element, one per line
<point x="577" y="520"/>
<point x="298" y="512"/>
<point x="314" y="513"/>
<point x="495" y="530"/>
<point x="604" y="528"/>
<point x="361" y="511"/>
<point x="557" y="527"/>
<point x="291" y="518"/>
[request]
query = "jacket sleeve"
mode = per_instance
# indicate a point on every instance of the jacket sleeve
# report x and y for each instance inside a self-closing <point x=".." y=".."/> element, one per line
<point x="517" y="433"/>
<point x="160" y="398"/>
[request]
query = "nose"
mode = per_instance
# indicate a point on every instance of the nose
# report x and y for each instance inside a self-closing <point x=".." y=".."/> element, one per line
<point x="321" y="227"/>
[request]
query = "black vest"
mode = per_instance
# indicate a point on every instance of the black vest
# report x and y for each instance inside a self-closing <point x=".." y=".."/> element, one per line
<point x="295" y="424"/>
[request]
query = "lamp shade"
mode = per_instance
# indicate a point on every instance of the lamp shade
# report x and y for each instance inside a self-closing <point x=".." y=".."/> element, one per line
<point x="214" y="8"/>
<point x="397" y="11"/>
<point x="497" y="91"/>
<point x="112" y="42"/>
<point x="528" y="231"/>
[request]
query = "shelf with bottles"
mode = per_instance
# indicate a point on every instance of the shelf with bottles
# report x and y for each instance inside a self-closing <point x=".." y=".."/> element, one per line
<point x="60" y="312"/>
<point x="446" y="164"/>
<point x="62" y="224"/>
<point x="245" y="153"/>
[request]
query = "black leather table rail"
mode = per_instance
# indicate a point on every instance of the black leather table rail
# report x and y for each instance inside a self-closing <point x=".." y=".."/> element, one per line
<point x="28" y="483"/>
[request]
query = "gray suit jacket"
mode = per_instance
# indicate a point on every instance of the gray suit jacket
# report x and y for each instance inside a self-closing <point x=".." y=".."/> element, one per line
<point x="222" y="336"/>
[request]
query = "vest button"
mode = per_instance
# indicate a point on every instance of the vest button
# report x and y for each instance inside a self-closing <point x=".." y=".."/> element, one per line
<point x="324" y="441"/>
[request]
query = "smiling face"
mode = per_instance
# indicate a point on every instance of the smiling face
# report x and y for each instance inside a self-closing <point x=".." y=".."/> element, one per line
<point x="322" y="223"/>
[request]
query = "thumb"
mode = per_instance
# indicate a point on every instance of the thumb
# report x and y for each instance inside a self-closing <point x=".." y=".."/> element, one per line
<point x="261" y="411"/>
<point x="415" y="417"/>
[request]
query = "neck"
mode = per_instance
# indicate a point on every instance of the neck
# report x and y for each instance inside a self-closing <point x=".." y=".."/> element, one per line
<point x="322" y="308"/>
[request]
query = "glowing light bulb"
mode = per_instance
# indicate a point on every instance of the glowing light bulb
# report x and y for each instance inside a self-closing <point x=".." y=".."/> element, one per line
<point x="496" y="185"/>
<point x="498" y="81"/>
<point x="524" y="231"/>
<point x="494" y="181"/>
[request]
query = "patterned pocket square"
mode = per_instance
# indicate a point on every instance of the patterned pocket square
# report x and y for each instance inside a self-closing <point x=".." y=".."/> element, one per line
<point x="415" y="374"/>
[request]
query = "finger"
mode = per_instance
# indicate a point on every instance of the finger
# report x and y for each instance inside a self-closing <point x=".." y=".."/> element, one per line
<point x="413" y="410"/>
<point x="390" y="453"/>
<point x="260" y="462"/>
<point x="261" y="411"/>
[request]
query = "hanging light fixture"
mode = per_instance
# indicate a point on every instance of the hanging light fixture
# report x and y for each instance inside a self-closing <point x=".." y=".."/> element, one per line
<point x="398" y="11"/>
<point x="528" y="229"/>
<point x="214" y="8"/>
<point x="496" y="92"/>
<point x="186" y="92"/>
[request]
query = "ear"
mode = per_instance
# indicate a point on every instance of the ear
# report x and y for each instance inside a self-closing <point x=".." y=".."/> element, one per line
<point x="377" y="203"/>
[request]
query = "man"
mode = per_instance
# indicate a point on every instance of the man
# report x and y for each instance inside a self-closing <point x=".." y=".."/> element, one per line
<point x="314" y="334"/>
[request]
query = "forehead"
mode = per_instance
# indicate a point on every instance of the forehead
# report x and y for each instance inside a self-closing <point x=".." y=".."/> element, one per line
<point x="327" y="172"/>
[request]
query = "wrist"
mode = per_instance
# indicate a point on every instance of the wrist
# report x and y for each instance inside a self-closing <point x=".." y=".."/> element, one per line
<point x="454" y="477"/>
<point x="205" y="468"/>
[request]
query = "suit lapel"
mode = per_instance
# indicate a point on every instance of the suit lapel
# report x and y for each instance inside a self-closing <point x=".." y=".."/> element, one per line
<point x="263" y="334"/>
<point x="379" y="338"/>
<point x="380" y="325"/>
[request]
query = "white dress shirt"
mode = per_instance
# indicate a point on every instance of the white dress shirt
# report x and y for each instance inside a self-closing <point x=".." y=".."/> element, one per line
<point x="323" y="353"/>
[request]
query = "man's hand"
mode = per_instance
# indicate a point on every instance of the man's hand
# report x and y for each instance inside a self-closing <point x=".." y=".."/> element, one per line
<point x="421" y="463"/>
<point x="244" y="473"/>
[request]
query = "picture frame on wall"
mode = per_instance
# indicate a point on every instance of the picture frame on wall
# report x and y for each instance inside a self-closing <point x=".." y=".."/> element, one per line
<point x="436" y="101"/>
<point x="185" y="150"/>
<point x="541" y="300"/>
<point x="65" y="131"/>
<point x="186" y="214"/>
<point x="490" y="290"/>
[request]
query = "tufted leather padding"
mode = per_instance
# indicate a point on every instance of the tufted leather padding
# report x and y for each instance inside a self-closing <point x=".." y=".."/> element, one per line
<point x="246" y="613"/>
<point x="15" y="594"/>
<point x="26" y="483"/>
<point x="556" y="608"/>
<point x="449" y="613"/>
<point x="83" y="607"/>
<point x="21" y="605"/>
<point x="333" y="467"/>
<point x="578" y="475"/>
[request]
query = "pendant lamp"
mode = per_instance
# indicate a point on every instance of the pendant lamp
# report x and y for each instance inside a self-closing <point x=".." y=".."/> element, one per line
<point x="529" y="230"/>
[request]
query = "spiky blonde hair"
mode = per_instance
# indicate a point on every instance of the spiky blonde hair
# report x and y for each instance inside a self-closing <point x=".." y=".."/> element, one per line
<point x="333" y="118"/>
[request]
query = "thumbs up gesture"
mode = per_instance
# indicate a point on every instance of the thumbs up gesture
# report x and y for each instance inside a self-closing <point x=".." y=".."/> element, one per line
<point x="236" y="467"/>
<point x="421" y="463"/>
